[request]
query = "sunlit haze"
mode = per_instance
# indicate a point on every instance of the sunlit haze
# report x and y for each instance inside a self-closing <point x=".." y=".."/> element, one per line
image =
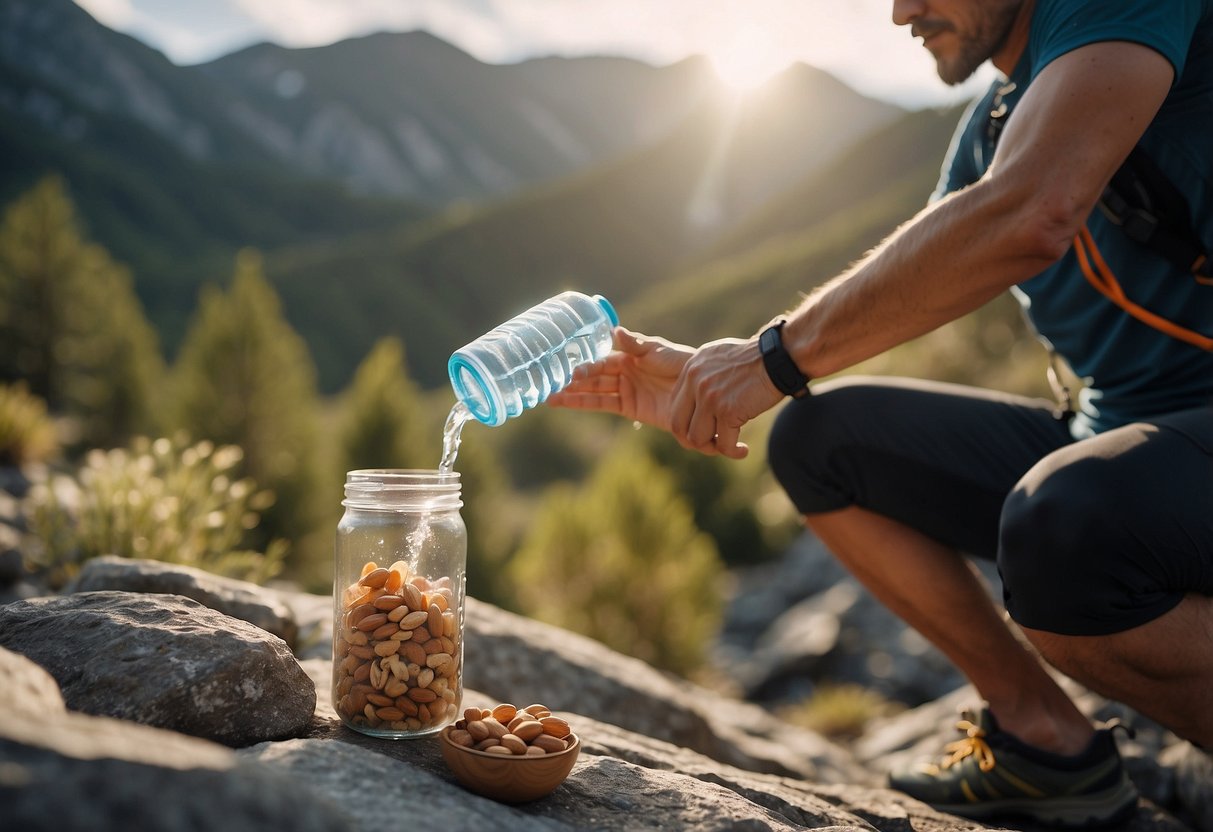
<point x="745" y="62"/>
<point x="746" y="42"/>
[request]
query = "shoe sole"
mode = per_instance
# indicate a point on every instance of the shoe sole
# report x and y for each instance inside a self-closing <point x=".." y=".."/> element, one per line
<point x="1083" y="812"/>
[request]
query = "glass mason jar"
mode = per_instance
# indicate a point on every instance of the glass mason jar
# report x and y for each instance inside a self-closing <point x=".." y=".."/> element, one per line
<point x="398" y="595"/>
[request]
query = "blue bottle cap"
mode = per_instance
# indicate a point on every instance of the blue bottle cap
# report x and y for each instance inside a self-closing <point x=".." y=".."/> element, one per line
<point x="470" y="380"/>
<point x="610" y="310"/>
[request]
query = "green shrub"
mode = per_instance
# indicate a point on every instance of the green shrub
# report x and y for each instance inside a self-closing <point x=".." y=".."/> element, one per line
<point x="160" y="500"/>
<point x="383" y="415"/>
<point x="27" y="433"/>
<point x="621" y="560"/>
<point x="840" y="711"/>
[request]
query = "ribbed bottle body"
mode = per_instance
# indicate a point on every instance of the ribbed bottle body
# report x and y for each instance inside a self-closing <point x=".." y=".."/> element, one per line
<point x="517" y="365"/>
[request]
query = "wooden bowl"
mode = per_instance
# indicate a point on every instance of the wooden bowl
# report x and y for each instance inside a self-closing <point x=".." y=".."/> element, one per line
<point x="515" y="779"/>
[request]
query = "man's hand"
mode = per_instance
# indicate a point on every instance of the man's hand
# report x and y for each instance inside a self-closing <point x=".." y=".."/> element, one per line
<point x="635" y="381"/>
<point x="723" y="386"/>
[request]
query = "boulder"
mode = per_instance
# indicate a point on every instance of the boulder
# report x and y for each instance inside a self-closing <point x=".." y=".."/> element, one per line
<point x="26" y="690"/>
<point x="239" y="599"/>
<point x="802" y="621"/>
<point x="166" y="661"/>
<point x="516" y="659"/>
<point x="63" y="771"/>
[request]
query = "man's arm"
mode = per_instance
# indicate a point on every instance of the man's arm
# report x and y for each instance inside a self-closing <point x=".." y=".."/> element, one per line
<point x="1068" y="135"/>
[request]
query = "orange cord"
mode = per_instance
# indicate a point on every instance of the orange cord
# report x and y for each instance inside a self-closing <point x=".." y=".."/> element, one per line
<point x="1101" y="277"/>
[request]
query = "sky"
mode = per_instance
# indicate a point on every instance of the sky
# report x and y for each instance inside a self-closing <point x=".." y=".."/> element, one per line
<point x="747" y="40"/>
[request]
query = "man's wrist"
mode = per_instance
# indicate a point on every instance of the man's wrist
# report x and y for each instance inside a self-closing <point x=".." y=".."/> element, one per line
<point x="780" y="367"/>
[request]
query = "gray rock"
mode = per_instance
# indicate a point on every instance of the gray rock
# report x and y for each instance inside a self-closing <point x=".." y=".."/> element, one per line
<point x="519" y="660"/>
<point x="767" y="591"/>
<point x="239" y="599"/>
<point x="843" y="635"/>
<point x="313" y="615"/>
<point x="1193" y="778"/>
<point x="602" y="792"/>
<point x="26" y="690"/>
<point x="803" y="621"/>
<point x="405" y="786"/>
<point x="166" y="661"/>
<point x="69" y="771"/>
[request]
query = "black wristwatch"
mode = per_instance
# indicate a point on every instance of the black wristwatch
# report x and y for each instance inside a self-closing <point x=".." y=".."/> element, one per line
<point x="785" y="375"/>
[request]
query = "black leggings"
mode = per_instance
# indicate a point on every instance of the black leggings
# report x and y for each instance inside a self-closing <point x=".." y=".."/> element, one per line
<point x="1091" y="537"/>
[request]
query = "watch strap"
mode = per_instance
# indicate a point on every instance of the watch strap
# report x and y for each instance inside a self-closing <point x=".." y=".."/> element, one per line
<point x="782" y="370"/>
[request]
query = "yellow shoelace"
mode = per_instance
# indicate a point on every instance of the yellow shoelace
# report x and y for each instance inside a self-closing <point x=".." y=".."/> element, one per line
<point x="972" y="744"/>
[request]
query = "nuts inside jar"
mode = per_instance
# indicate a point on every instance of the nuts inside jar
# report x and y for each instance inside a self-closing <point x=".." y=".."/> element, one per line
<point x="398" y="642"/>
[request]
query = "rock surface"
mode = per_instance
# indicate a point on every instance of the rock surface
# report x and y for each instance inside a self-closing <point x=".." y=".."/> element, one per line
<point x="61" y="770"/>
<point x="657" y="752"/>
<point x="239" y="599"/>
<point x="165" y="661"/>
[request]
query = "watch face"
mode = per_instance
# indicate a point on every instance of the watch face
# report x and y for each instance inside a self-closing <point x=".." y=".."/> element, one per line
<point x="768" y="341"/>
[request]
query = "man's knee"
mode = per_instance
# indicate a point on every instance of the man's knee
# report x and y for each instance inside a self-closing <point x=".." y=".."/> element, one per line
<point x="803" y="445"/>
<point x="1057" y="549"/>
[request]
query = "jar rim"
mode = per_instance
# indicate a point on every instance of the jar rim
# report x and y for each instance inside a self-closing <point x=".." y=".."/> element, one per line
<point x="399" y="488"/>
<point x="403" y="477"/>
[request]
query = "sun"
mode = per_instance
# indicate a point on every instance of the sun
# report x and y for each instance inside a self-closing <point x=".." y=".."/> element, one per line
<point x="747" y="60"/>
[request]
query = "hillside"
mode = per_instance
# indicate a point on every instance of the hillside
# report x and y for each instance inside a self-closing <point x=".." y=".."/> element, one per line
<point x="616" y="229"/>
<point x="801" y="238"/>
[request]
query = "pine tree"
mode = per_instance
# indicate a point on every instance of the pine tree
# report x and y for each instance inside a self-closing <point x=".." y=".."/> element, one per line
<point x="723" y="495"/>
<point x="621" y="560"/>
<point x="382" y="415"/>
<point x="244" y="377"/>
<point x="71" y="326"/>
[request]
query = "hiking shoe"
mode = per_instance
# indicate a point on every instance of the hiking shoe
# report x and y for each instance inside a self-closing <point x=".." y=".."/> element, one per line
<point x="990" y="773"/>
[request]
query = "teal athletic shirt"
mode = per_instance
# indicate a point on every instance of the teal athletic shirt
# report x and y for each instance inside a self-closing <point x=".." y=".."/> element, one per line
<point x="1131" y="370"/>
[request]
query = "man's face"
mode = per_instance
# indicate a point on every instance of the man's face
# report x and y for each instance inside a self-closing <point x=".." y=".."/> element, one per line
<point x="960" y="34"/>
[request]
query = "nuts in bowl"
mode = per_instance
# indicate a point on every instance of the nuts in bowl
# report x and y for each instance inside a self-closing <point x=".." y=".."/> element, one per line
<point x="509" y="754"/>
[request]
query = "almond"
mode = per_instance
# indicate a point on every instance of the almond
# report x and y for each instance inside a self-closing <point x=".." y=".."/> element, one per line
<point x="375" y="578"/>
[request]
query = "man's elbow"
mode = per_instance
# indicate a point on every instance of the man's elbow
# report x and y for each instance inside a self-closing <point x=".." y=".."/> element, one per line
<point x="1049" y="226"/>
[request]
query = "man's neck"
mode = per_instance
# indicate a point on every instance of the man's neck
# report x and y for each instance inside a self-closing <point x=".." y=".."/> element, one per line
<point x="1009" y="53"/>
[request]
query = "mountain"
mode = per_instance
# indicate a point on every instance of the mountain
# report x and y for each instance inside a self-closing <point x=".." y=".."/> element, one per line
<point x="802" y="237"/>
<point x="398" y="186"/>
<point x="410" y="115"/>
<point x="158" y="174"/>
<point x="617" y="229"/>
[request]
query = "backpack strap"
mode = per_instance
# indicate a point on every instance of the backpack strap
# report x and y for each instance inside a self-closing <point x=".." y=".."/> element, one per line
<point x="1153" y="212"/>
<point x="1099" y="275"/>
<point x="1142" y="201"/>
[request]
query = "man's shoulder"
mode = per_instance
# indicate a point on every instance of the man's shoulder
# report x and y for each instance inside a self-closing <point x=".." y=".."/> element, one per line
<point x="1060" y="26"/>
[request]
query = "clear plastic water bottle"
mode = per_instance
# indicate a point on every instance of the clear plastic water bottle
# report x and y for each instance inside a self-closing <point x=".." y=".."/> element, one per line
<point x="523" y="361"/>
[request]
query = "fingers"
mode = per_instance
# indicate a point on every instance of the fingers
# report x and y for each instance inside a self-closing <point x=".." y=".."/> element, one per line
<point x="632" y="343"/>
<point x="601" y="402"/>
<point x="590" y="392"/>
<point x="728" y="443"/>
<point x="695" y="427"/>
